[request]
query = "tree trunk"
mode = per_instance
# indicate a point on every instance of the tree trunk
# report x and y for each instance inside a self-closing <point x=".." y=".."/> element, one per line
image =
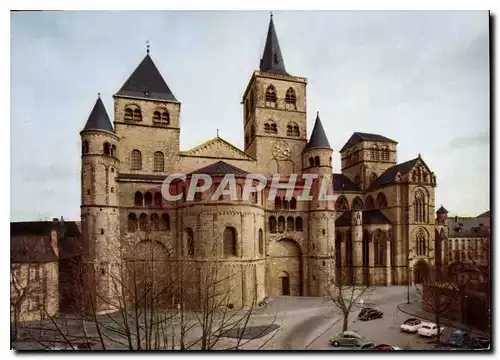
<point x="346" y="319"/>
<point x="438" y="335"/>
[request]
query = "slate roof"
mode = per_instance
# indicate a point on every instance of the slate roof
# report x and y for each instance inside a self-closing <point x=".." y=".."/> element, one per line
<point x="442" y="210"/>
<point x="359" y="136"/>
<point x="387" y="177"/>
<point x="485" y="214"/>
<point x="343" y="183"/>
<point x="98" y="118"/>
<point x="220" y="168"/>
<point x="318" y="138"/>
<point x="369" y="217"/>
<point x="147" y="82"/>
<point x="272" y="59"/>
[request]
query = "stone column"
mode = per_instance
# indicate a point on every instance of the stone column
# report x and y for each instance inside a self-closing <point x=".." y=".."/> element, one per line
<point x="388" y="262"/>
<point x="371" y="260"/>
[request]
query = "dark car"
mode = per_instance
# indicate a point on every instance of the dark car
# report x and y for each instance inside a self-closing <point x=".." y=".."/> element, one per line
<point x="459" y="338"/>
<point x="383" y="347"/>
<point x="364" y="311"/>
<point x="480" y="343"/>
<point x="370" y="315"/>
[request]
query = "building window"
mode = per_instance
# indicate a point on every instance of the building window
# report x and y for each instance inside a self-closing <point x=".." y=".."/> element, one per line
<point x="85" y="147"/>
<point x="161" y="118"/>
<point x="292" y="130"/>
<point x="298" y="224"/>
<point x="421" y="242"/>
<point x="293" y="203"/>
<point x="157" y="199"/>
<point x="159" y="162"/>
<point x="290" y="224"/>
<point x="311" y="162"/>
<point x="143" y="222"/>
<point x="189" y="250"/>
<point x="419" y="207"/>
<point x="106" y="149"/>
<point x="138" y="200"/>
<point x="229" y="241"/>
<point x="155" y="222"/>
<point x="132" y="223"/>
<point x="277" y="203"/>
<point x="271" y="98"/>
<point x="290" y="99"/>
<point x="341" y="204"/>
<point x="261" y="242"/>
<point x="136" y="160"/>
<point x="165" y="219"/>
<point x="281" y="224"/>
<point x="133" y="113"/>
<point x="272" y="224"/>
<point x="148" y="199"/>
<point x="381" y="201"/>
<point x="316" y="161"/>
<point x="270" y="127"/>
<point x="374" y="152"/>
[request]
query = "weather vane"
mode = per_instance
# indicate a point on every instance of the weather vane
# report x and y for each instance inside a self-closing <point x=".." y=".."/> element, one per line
<point x="147" y="46"/>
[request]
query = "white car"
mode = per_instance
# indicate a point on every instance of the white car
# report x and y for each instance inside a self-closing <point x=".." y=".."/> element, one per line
<point x="429" y="330"/>
<point x="411" y="325"/>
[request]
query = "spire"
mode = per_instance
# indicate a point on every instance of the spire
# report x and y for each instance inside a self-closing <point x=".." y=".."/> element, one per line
<point x="98" y="118"/>
<point x="146" y="82"/>
<point x="442" y="210"/>
<point x="272" y="60"/>
<point x="318" y="138"/>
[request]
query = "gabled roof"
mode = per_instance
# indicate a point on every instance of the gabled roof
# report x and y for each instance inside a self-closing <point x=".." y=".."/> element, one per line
<point x="359" y="136"/>
<point x="387" y="177"/>
<point x="442" y="210"/>
<point x="98" y="118"/>
<point x="318" y="138"/>
<point x="272" y="60"/>
<point x="146" y="82"/>
<point x="223" y="148"/>
<point x="220" y="168"/>
<point x="343" y="183"/>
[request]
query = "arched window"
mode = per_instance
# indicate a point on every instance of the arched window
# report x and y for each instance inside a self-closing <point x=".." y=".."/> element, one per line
<point x="274" y="129"/>
<point x="384" y="153"/>
<point x="138" y="200"/>
<point x="421" y="242"/>
<point x="296" y="131"/>
<point x="289" y="130"/>
<point x="137" y="114"/>
<point x="148" y="199"/>
<point x="277" y="203"/>
<point x="374" y="152"/>
<point x="311" y="162"/>
<point x="293" y="203"/>
<point x="132" y="223"/>
<point x="378" y="247"/>
<point x="298" y="224"/>
<point x="159" y="162"/>
<point x="155" y="222"/>
<point x="373" y="177"/>
<point x="419" y="206"/>
<point x="267" y="128"/>
<point x="165" y="220"/>
<point x="107" y="149"/>
<point x="341" y="204"/>
<point x="143" y="222"/>
<point x="165" y="118"/>
<point x="129" y="114"/>
<point x="290" y="224"/>
<point x="85" y="147"/>
<point x="189" y="242"/>
<point x="230" y="241"/>
<point x="290" y="99"/>
<point x="381" y="201"/>
<point x="156" y="117"/>
<point x="261" y="242"/>
<point x="271" y="98"/>
<point x="272" y="224"/>
<point x="281" y="224"/>
<point x="113" y="150"/>
<point x="158" y="199"/>
<point x="135" y="160"/>
<point x="316" y="161"/>
<point x="370" y="203"/>
<point x="292" y="130"/>
<point x="286" y="204"/>
<point x="357" y="203"/>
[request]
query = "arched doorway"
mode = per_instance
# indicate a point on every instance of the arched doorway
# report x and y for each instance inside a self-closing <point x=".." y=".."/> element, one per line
<point x="420" y="272"/>
<point x="284" y="270"/>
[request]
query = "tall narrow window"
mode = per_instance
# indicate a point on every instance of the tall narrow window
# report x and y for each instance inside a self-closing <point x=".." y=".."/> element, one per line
<point x="138" y="200"/>
<point x="293" y="203"/>
<point x="289" y="130"/>
<point x="316" y="161"/>
<point x="271" y="98"/>
<point x="165" y="118"/>
<point x="107" y="149"/>
<point x="143" y="222"/>
<point x="290" y="99"/>
<point x="298" y="224"/>
<point x="311" y="162"/>
<point x="85" y="147"/>
<point x="135" y="160"/>
<point x="277" y="203"/>
<point x="165" y="219"/>
<point x="272" y="224"/>
<point x="159" y="162"/>
<point x="290" y="224"/>
<point x="419" y="206"/>
<point x="281" y="224"/>
<point x="158" y="199"/>
<point x="230" y="241"/>
<point x="113" y="150"/>
<point x="132" y="223"/>
<point x="148" y="199"/>
<point x="261" y="242"/>
<point x="189" y="242"/>
<point x="155" y="222"/>
<point x="129" y="114"/>
<point x="137" y="114"/>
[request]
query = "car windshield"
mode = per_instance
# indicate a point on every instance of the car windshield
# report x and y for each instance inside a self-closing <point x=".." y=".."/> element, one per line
<point x="409" y="322"/>
<point x="426" y="327"/>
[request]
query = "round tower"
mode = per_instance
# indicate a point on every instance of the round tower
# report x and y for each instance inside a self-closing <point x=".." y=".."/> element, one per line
<point x="357" y="241"/>
<point x="99" y="207"/>
<point x="441" y="245"/>
<point x="317" y="159"/>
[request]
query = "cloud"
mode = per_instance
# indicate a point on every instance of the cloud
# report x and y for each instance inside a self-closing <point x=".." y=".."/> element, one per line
<point x="479" y="139"/>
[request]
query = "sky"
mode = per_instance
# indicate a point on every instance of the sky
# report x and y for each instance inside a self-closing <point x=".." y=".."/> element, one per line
<point x="418" y="77"/>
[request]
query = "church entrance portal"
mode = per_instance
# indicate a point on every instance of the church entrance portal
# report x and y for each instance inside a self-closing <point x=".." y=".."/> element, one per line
<point x="284" y="268"/>
<point x="285" y="284"/>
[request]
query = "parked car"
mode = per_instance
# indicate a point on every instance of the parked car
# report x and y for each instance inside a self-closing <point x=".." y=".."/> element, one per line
<point x="363" y="345"/>
<point x="383" y="347"/>
<point x="411" y="325"/>
<point x="480" y="343"/>
<point x="346" y="338"/>
<point x="429" y="330"/>
<point x="370" y="315"/>
<point x="459" y="338"/>
<point x="364" y="311"/>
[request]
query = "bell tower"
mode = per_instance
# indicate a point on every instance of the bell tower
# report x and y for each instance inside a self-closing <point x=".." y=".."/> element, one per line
<point x="274" y="112"/>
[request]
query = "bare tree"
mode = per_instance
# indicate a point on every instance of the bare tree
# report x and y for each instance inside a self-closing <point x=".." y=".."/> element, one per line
<point x="344" y="295"/>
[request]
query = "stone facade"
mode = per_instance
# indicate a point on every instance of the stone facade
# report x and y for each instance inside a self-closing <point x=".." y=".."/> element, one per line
<point x="380" y="227"/>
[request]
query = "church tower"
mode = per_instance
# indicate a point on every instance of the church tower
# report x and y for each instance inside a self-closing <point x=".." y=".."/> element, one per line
<point x="274" y="116"/>
<point x="99" y="208"/>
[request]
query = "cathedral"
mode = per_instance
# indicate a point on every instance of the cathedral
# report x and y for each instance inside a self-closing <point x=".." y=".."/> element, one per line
<point x="381" y="230"/>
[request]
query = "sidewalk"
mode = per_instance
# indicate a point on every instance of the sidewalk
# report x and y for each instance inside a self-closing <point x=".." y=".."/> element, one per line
<point x="415" y="309"/>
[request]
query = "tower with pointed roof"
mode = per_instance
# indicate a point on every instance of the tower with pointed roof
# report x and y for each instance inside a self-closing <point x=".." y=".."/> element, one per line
<point x="274" y="112"/>
<point x="99" y="206"/>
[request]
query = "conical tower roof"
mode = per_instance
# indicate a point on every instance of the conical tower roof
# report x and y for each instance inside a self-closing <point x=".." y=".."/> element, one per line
<point x="98" y="118"/>
<point x="318" y="138"/>
<point x="272" y="60"/>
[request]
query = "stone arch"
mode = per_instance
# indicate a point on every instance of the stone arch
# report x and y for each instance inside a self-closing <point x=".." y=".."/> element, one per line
<point x="369" y="204"/>
<point x="230" y="241"/>
<point x="286" y="258"/>
<point x="357" y="203"/>
<point x="342" y="204"/>
<point x="420" y="272"/>
<point x="381" y="201"/>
